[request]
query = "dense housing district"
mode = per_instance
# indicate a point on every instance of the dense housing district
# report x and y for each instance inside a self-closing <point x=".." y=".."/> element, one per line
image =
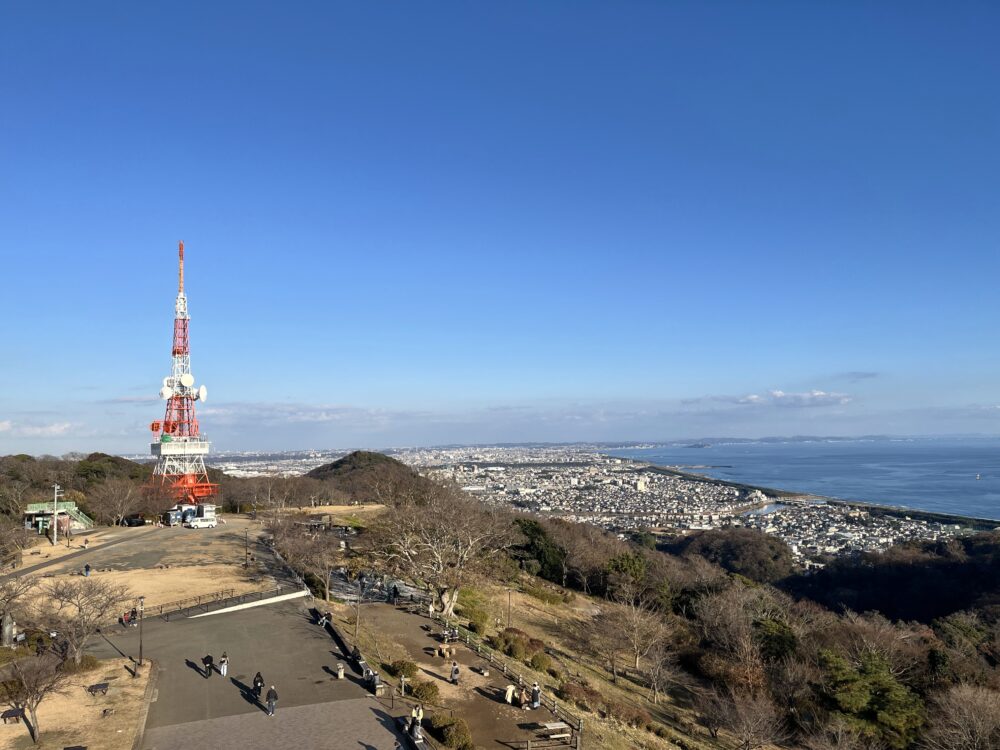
<point x="580" y="483"/>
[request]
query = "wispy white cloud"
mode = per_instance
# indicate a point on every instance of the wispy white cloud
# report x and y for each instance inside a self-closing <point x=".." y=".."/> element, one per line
<point x="55" y="429"/>
<point x="855" y="375"/>
<point x="131" y="400"/>
<point x="809" y="398"/>
<point x="813" y="398"/>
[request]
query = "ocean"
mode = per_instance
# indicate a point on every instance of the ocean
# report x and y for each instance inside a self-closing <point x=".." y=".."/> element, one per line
<point x="928" y="474"/>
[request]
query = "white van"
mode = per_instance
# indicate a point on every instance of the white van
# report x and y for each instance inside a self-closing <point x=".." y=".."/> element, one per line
<point x="201" y="523"/>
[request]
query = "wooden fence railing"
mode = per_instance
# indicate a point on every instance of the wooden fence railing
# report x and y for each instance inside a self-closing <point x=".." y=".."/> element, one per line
<point x="548" y="701"/>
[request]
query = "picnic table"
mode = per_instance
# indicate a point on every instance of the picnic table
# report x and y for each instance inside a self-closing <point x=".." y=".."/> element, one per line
<point x="556" y="730"/>
<point x="12" y="714"/>
<point x="100" y="687"/>
<point x="553" y="726"/>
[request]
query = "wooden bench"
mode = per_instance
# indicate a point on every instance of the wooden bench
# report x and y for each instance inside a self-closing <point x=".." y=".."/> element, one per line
<point x="561" y="736"/>
<point x="12" y="714"/>
<point x="100" y="687"/>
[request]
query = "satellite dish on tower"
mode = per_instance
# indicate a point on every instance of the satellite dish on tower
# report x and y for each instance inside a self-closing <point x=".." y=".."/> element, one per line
<point x="202" y="394"/>
<point x="166" y="381"/>
<point x="166" y="392"/>
<point x="187" y="380"/>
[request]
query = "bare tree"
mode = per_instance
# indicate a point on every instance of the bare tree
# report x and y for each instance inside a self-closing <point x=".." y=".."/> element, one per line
<point x="838" y="735"/>
<point x="13" y="539"/>
<point x="726" y="619"/>
<point x="114" y="500"/>
<point x="12" y="592"/>
<point x="964" y="717"/>
<point x="900" y="645"/>
<point x="753" y="719"/>
<point x="709" y="705"/>
<point x="602" y="637"/>
<point x="664" y="671"/>
<point x="642" y="624"/>
<point x="80" y="607"/>
<point x="31" y="681"/>
<point x="441" y="542"/>
<point x="14" y="498"/>
<point x="317" y="553"/>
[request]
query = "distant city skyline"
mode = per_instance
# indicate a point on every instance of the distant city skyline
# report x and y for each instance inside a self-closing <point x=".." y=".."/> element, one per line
<point x="462" y="224"/>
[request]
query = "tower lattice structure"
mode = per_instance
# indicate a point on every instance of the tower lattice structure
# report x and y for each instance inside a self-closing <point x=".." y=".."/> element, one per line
<point x="178" y="446"/>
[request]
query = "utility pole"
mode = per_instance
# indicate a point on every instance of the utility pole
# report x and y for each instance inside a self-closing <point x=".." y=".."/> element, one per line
<point x="246" y="548"/>
<point x="508" y="608"/>
<point x="142" y="607"/>
<point x="56" y="492"/>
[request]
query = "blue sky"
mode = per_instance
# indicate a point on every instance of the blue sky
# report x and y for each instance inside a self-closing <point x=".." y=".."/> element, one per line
<point x="473" y="222"/>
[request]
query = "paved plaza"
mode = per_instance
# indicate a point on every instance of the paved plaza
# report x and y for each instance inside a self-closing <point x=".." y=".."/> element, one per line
<point x="278" y="640"/>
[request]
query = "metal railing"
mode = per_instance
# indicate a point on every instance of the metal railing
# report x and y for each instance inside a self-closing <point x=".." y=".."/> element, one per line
<point x="215" y="600"/>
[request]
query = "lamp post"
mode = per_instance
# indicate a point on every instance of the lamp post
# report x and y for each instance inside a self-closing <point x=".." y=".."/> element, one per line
<point x="508" y="607"/>
<point x="142" y="603"/>
<point x="246" y="548"/>
<point x="56" y="492"/>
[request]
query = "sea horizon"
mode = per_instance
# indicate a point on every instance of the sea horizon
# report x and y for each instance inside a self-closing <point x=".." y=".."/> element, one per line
<point x="956" y="476"/>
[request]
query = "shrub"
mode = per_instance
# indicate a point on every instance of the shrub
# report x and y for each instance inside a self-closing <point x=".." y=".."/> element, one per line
<point x="479" y="626"/>
<point x="87" y="663"/>
<point x="402" y="668"/>
<point x="631" y="715"/>
<point x="451" y="732"/>
<point x="516" y="644"/>
<point x="542" y="595"/>
<point x="540" y="661"/>
<point x="425" y="692"/>
<point x="582" y="695"/>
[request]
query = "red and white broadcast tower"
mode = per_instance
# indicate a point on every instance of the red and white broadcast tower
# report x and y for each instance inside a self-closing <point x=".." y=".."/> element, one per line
<point x="179" y="448"/>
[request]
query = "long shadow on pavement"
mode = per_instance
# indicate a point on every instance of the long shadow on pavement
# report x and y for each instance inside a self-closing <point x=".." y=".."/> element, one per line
<point x="387" y="721"/>
<point x="248" y="695"/>
<point x="195" y="667"/>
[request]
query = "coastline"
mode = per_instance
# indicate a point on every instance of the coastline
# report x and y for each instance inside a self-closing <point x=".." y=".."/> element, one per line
<point x="973" y="522"/>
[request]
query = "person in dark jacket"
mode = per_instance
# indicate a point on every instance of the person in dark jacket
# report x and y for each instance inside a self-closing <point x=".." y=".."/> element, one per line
<point x="258" y="685"/>
<point x="272" y="700"/>
<point x="207" y="662"/>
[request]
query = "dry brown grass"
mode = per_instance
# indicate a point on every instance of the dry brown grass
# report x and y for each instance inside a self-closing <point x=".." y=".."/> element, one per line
<point x="75" y="718"/>
<point x="162" y="586"/>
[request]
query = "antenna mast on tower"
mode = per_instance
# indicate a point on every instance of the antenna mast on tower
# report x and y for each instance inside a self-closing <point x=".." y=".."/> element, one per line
<point x="178" y="447"/>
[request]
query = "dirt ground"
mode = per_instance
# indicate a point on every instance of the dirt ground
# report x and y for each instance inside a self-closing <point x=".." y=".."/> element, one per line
<point x="166" y="585"/>
<point x="75" y="717"/>
<point x="477" y="698"/>
<point x="169" y="564"/>
<point x="43" y="550"/>
<point x="344" y="509"/>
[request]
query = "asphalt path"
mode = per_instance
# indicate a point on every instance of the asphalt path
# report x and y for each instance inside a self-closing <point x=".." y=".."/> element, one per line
<point x="315" y="710"/>
<point x="93" y="552"/>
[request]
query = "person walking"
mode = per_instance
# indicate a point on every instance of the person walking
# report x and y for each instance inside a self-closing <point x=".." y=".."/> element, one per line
<point x="454" y="673"/>
<point x="224" y="664"/>
<point x="522" y="698"/>
<point x="536" y="695"/>
<point x="508" y="694"/>
<point x="258" y="686"/>
<point x="272" y="700"/>
<point x="207" y="662"/>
